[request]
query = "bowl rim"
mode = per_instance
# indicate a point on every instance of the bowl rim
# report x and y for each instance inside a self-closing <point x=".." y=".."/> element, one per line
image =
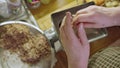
<point x="21" y="22"/>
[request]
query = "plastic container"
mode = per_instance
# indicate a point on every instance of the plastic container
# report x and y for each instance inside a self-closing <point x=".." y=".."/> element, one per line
<point x="33" y="3"/>
<point x="45" y="1"/>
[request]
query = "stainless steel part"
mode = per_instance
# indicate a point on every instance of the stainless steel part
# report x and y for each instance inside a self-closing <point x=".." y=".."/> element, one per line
<point x="34" y="30"/>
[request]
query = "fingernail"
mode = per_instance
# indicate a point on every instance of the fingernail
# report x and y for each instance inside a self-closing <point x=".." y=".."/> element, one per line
<point x="67" y="13"/>
<point x="81" y="25"/>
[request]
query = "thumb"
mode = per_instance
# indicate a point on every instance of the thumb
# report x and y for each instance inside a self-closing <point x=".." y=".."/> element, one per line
<point x="82" y="34"/>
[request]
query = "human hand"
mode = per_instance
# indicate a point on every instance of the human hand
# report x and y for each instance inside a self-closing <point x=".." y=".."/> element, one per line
<point x="76" y="48"/>
<point x="97" y="17"/>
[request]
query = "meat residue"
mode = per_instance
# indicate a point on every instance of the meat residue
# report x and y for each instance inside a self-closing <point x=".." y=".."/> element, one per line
<point x="17" y="39"/>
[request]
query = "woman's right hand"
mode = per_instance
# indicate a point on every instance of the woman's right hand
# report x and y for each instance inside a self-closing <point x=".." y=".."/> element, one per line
<point x="76" y="46"/>
<point x="98" y="17"/>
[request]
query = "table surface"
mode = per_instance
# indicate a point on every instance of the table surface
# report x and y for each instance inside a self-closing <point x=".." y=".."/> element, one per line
<point x="42" y="15"/>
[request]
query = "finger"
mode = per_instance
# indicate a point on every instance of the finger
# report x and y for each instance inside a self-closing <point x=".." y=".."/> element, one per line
<point x="91" y="25"/>
<point x="68" y="27"/>
<point x="66" y="30"/>
<point x="82" y="11"/>
<point x="82" y="34"/>
<point x="68" y="20"/>
<point x="63" y="22"/>
<point x="89" y="17"/>
<point x="62" y="34"/>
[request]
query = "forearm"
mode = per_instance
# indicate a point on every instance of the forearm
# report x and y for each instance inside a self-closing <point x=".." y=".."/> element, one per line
<point x="117" y="16"/>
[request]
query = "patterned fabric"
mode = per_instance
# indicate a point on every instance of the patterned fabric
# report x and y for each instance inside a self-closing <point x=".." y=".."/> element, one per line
<point x="106" y="58"/>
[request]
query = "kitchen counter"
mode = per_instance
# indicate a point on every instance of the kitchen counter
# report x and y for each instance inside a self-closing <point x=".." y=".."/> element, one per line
<point x="42" y="15"/>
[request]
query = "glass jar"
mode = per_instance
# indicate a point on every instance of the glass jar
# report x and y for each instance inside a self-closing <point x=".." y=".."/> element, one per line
<point x="14" y="6"/>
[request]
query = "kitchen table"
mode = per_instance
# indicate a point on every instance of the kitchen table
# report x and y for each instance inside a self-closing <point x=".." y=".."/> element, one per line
<point x="42" y="15"/>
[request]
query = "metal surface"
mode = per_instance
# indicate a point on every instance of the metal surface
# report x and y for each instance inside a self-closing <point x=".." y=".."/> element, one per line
<point x="92" y="34"/>
<point x="32" y="28"/>
<point x="26" y="19"/>
<point x="34" y="31"/>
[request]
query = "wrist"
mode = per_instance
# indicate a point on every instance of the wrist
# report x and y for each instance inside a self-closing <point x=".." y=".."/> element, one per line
<point x="77" y="63"/>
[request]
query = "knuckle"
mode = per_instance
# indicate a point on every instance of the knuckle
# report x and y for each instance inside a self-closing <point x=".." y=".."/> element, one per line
<point x="78" y="12"/>
<point x="93" y="7"/>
